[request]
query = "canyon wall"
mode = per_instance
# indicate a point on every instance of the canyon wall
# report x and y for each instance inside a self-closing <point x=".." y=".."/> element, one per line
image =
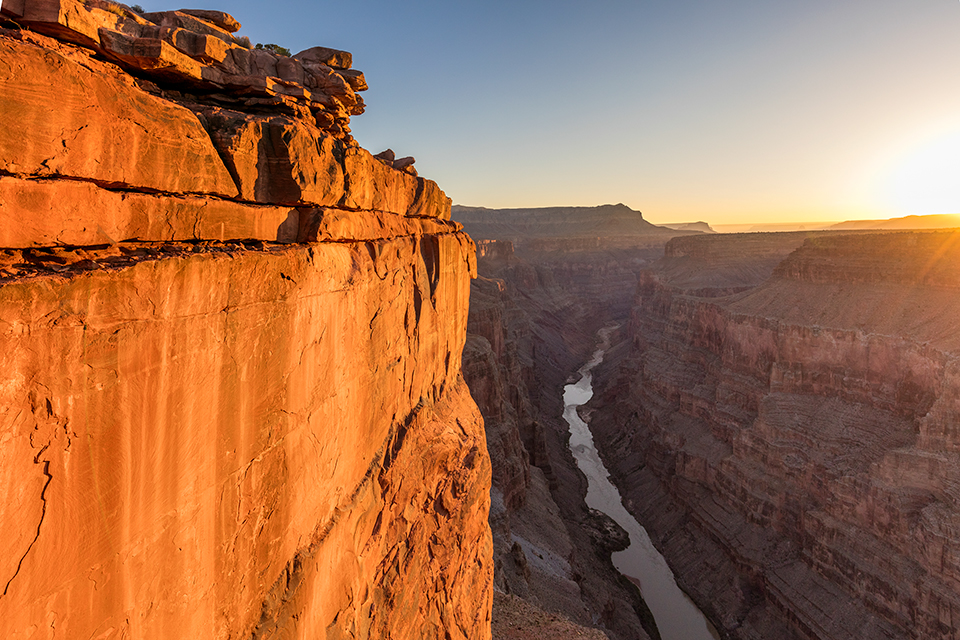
<point x="534" y="312"/>
<point x="231" y="403"/>
<point x="786" y="430"/>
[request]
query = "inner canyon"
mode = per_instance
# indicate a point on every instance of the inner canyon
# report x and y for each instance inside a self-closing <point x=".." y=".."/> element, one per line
<point x="257" y="382"/>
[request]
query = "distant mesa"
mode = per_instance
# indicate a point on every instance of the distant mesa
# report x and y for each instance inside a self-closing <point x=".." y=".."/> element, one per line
<point x="608" y="226"/>
<point x="701" y="226"/>
<point x="774" y="227"/>
<point x="552" y="222"/>
<point x="938" y="221"/>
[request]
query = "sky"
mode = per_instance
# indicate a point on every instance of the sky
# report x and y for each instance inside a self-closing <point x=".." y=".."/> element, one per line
<point x="728" y="111"/>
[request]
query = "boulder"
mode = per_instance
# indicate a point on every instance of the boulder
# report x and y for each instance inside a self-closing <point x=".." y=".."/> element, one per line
<point x="387" y="155"/>
<point x="277" y="160"/>
<point x="69" y="20"/>
<point x="371" y="185"/>
<point x="402" y="163"/>
<point x="136" y="140"/>
<point x="324" y="55"/>
<point x="205" y="48"/>
<point x="430" y="201"/>
<point x="223" y="20"/>
<point x="153" y="55"/>
<point x="184" y="20"/>
<point x="323" y="77"/>
<point x="355" y="79"/>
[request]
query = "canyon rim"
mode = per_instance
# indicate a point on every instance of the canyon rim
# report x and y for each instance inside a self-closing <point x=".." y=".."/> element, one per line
<point x="258" y="382"/>
<point x="231" y="401"/>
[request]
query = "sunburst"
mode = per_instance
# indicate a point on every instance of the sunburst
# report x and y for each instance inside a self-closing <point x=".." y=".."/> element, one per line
<point x="926" y="177"/>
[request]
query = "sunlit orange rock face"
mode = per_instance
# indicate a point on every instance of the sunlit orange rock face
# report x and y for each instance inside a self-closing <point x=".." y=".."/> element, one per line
<point x="230" y="407"/>
<point x="791" y="443"/>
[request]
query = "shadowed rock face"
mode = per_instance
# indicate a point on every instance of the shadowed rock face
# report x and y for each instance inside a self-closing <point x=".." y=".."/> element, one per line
<point x="532" y="324"/>
<point x="231" y="403"/>
<point x="792" y="447"/>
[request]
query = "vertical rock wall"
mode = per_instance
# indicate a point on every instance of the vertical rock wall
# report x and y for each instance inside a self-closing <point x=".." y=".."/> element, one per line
<point x="230" y="393"/>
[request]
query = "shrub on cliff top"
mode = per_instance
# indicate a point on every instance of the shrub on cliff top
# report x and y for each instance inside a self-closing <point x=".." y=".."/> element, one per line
<point x="277" y="49"/>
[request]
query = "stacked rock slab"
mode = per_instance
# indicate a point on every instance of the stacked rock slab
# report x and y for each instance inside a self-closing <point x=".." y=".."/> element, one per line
<point x="230" y="402"/>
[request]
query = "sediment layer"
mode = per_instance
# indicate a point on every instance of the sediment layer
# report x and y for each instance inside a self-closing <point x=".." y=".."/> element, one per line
<point x="792" y="447"/>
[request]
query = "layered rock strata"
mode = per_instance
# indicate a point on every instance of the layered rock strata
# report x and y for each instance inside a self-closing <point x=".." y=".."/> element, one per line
<point x="197" y="51"/>
<point x="792" y="448"/>
<point x="231" y="403"/>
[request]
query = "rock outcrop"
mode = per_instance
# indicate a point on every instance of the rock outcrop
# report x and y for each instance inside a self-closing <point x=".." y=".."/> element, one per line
<point x="791" y="444"/>
<point x="231" y="403"/>
<point x="196" y="51"/>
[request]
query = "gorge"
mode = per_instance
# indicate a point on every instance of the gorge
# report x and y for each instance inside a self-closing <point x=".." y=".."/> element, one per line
<point x="257" y="382"/>
<point x="788" y="440"/>
<point x="676" y="616"/>
<point x="776" y="412"/>
<point x="542" y="294"/>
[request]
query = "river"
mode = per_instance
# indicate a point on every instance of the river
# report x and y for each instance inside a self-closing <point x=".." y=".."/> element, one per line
<point x="678" y="618"/>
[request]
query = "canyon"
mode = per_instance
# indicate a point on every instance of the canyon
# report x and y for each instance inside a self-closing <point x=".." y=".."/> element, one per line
<point x="777" y="410"/>
<point x="231" y="401"/>
<point x="780" y="414"/>
<point x="542" y="293"/>
<point x="258" y="382"/>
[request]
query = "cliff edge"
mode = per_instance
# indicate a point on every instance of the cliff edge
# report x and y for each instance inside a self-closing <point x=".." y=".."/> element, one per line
<point x="231" y="403"/>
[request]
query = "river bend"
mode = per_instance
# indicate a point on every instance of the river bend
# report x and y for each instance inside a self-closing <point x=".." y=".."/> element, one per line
<point x="677" y="617"/>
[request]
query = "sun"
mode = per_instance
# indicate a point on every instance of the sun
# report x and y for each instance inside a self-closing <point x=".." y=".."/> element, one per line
<point x="925" y="179"/>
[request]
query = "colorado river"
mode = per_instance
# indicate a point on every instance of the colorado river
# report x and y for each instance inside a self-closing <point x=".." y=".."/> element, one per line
<point x="676" y="615"/>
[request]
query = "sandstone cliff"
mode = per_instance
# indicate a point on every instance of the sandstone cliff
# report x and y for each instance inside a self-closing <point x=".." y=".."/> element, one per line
<point x="790" y="443"/>
<point x="231" y="403"/>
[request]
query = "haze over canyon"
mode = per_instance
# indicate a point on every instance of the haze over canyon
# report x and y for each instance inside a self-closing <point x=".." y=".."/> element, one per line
<point x="258" y="382"/>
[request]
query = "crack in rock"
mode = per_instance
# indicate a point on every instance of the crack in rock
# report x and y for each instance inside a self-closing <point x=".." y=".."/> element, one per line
<point x="43" y="513"/>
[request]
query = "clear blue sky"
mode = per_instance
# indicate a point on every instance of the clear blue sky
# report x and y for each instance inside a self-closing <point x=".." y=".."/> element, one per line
<point x="725" y="111"/>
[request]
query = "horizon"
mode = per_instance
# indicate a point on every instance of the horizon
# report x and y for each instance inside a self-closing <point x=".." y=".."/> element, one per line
<point x="742" y="114"/>
<point x="932" y="220"/>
